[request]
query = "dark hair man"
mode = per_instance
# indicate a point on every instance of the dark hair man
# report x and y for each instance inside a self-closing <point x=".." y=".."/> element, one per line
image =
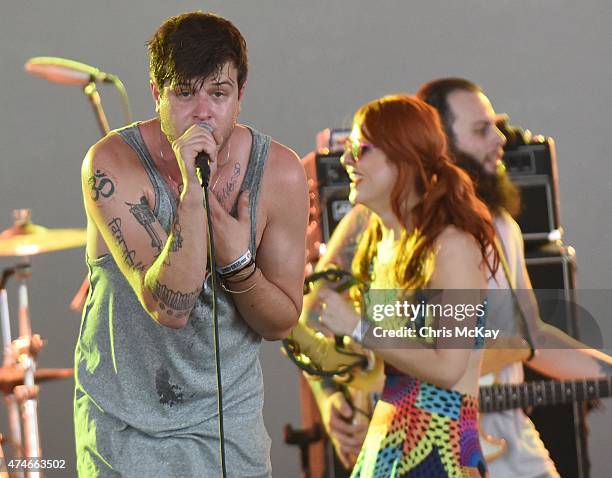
<point x="146" y="385"/>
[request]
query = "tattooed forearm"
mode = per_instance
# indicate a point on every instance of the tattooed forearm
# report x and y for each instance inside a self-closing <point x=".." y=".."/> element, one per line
<point x="101" y="185"/>
<point x="177" y="239"/>
<point x="145" y="217"/>
<point x="230" y="186"/>
<point x="128" y="255"/>
<point x="174" y="302"/>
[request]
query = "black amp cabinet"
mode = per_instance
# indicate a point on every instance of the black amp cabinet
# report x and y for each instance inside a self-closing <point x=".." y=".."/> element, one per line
<point x="533" y="168"/>
<point x="562" y="427"/>
<point x="333" y="186"/>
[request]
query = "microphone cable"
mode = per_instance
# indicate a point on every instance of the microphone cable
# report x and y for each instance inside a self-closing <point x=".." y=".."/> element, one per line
<point x="203" y="168"/>
<point x="213" y="279"/>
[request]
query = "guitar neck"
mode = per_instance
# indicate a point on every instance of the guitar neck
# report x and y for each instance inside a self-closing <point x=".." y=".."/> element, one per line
<point x="495" y="398"/>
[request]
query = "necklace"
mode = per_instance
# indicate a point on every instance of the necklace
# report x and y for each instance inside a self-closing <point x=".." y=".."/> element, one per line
<point x="219" y="168"/>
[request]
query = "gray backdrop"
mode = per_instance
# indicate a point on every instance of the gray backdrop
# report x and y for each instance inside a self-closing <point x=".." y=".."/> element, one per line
<point x="312" y="64"/>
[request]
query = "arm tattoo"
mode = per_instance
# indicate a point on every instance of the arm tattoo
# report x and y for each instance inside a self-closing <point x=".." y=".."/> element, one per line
<point x="230" y="186"/>
<point x="101" y="185"/>
<point x="174" y="302"/>
<point x="128" y="255"/>
<point x="177" y="239"/>
<point x="145" y="217"/>
<point x="176" y="242"/>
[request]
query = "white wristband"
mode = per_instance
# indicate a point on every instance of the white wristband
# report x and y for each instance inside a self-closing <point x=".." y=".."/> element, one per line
<point x="237" y="264"/>
<point x="360" y="330"/>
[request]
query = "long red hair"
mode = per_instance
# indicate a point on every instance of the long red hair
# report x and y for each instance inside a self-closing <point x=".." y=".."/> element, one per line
<point x="410" y="134"/>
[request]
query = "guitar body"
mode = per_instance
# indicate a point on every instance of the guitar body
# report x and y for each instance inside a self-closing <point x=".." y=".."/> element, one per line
<point x="492" y="447"/>
<point x="360" y="399"/>
<point x="495" y="359"/>
<point x="362" y="406"/>
<point x="559" y="400"/>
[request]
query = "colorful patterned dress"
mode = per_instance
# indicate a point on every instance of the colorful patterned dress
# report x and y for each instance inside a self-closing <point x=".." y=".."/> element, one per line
<point x="418" y="430"/>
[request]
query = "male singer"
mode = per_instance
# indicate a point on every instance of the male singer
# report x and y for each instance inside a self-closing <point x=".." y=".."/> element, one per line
<point x="146" y="400"/>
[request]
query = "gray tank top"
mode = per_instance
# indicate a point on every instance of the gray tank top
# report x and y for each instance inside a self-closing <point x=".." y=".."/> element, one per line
<point x="153" y="378"/>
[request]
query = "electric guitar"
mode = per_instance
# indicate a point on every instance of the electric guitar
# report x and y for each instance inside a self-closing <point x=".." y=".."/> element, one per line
<point x="496" y="398"/>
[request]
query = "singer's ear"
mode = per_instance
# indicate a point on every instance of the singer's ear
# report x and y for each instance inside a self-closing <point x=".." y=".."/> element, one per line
<point x="241" y="92"/>
<point x="155" y="93"/>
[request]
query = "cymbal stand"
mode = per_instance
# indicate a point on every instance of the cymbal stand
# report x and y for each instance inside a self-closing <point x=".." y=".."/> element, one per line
<point x="3" y="474"/>
<point x="12" y="407"/>
<point x="24" y="350"/>
<point x="93" y="96"/>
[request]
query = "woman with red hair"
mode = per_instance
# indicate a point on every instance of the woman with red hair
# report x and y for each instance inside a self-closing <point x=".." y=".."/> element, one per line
<point x="427" y="232"/>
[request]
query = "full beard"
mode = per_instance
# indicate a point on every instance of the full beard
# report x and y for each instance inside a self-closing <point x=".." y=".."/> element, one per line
<point x="496" y="190"/>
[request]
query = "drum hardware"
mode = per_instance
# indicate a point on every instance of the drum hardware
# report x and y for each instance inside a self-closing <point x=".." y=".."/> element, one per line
<point x="25" y="239"/>
<point x="19" y="374"/>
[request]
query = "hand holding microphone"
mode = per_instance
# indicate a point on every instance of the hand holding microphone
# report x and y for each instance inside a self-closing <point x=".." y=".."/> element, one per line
<point x="202" y="160"/>
<point x="196" y="149"/>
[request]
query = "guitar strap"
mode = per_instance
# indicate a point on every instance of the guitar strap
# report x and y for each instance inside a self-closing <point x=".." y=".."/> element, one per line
<point x="502" y="257"/>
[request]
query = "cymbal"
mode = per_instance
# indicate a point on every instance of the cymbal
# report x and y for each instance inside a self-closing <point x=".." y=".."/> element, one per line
<point x="27" y="239"/>
<point x="12" y="375"/>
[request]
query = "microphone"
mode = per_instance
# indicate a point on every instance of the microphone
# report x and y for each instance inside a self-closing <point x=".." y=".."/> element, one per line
<point x="202" y="160"/>
<point x="64" y="71"/>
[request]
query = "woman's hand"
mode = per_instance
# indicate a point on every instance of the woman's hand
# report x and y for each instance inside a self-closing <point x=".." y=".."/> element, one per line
<point x="337" y="315"/>
<point x="346" y="430"/>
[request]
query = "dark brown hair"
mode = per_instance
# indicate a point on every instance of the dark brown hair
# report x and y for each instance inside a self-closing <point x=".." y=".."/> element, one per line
<point x="436" y="93"/>
<point x="194" y="46"/>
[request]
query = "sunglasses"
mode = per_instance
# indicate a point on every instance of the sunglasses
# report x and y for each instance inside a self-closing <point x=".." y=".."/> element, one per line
<point x="356" y="149"/>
